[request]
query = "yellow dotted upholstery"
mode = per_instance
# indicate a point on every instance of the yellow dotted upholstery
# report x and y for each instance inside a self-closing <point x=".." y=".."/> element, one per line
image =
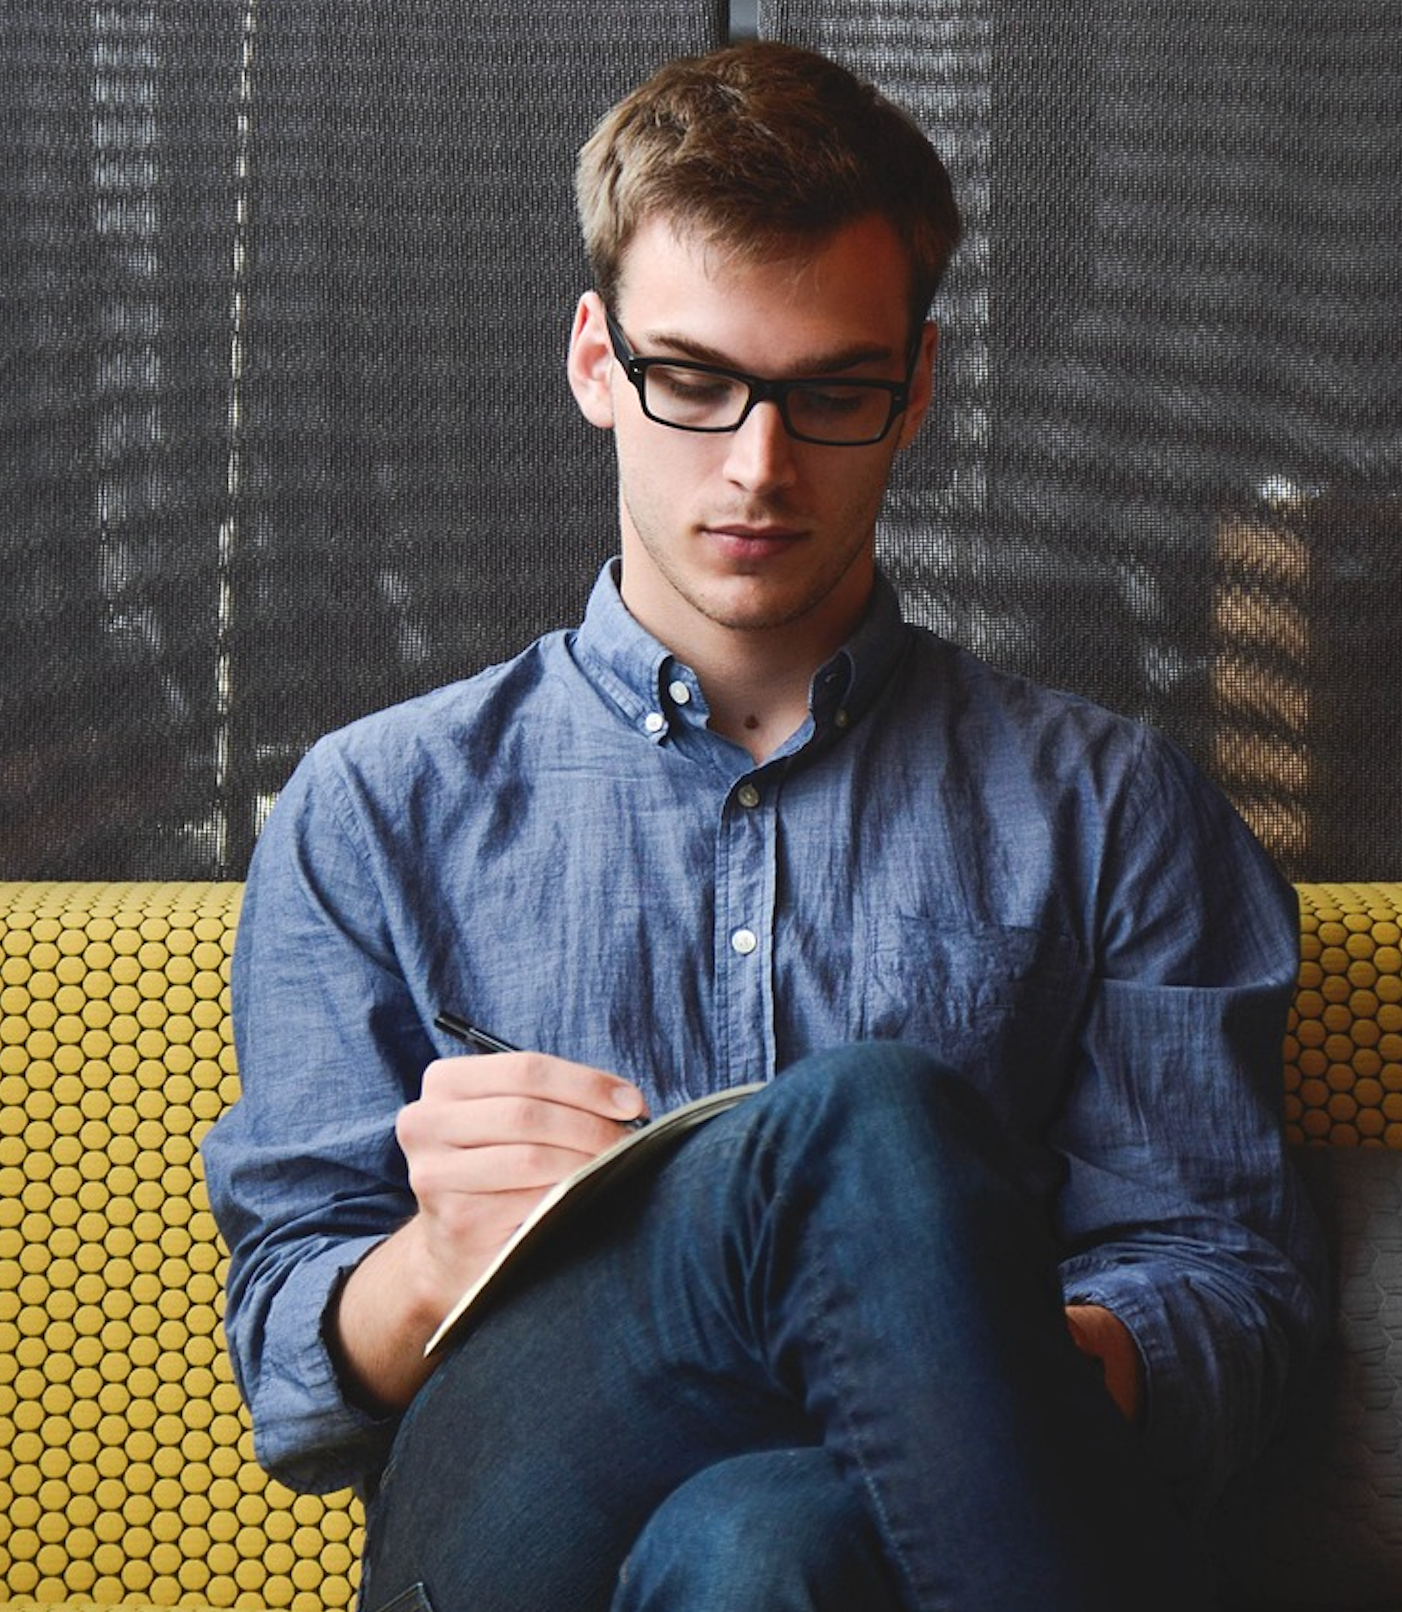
<point x="126" y="1465"/>
<point x="1343" y="1049"/>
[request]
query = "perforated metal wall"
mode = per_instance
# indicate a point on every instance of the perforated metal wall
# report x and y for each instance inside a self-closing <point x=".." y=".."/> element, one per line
<point x="284" y="433"/>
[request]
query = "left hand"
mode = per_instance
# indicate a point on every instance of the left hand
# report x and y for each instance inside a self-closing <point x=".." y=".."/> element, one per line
<point x="1101" y="1334"/>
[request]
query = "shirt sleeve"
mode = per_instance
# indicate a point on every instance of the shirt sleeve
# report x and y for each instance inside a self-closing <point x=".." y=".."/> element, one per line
<point x="304" y="1173"/>
<point x="1181" y="1212"/>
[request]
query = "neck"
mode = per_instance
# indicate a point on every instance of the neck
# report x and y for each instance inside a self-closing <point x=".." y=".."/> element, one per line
<point x="756" y="680"/>
<point x="754" y="639"/>
<point x="756" y="701"/>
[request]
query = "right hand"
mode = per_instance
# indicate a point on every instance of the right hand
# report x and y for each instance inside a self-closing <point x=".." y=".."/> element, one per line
<point x="487" y="1137"/>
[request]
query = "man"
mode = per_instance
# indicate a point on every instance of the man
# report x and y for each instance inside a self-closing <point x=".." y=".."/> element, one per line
<point x="1004" y="1263"/>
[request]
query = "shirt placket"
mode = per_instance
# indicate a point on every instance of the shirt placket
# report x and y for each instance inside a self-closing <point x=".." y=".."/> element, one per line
<point x="746" y="860"/>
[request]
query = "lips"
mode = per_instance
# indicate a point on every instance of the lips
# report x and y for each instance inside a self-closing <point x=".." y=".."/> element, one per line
<point x="759" y="533"/>
<point x="754" y="540"/>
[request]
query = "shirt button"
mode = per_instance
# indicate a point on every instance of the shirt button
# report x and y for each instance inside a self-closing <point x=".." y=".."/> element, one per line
<point x="748" y="796"/>
<point x="744" y="941"/>
<point x="840" y="717"/>
<point x="654" y="722"/>
<point x="679" y="692"/>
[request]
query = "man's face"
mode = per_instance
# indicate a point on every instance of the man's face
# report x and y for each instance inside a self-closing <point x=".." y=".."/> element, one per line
<point x="751" y="532"/>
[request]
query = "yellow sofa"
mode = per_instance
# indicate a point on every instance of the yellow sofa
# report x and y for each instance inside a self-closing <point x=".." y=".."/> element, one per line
<point x="126" y="1465"/>
<point x="126" y="1470"/>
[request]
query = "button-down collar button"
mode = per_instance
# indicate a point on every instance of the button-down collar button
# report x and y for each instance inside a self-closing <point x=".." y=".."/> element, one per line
<point x="654" y="722"/>
<point x="679" y="692"/>
<point x="744" y="941"/>
<point x="748" y="795"/>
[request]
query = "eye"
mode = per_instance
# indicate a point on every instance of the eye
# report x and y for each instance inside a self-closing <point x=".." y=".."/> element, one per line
<point x="836" y="401"/>
<point x="677" y="394"/>
<point x="840" y="408"/>
<point x="694" y="388"/>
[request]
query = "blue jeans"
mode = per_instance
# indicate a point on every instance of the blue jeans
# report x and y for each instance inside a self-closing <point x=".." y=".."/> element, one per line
<point x="820" y="1352"/>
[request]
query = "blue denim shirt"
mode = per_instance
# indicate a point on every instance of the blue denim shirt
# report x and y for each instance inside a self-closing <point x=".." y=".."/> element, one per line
<point x="1047" y="895"/>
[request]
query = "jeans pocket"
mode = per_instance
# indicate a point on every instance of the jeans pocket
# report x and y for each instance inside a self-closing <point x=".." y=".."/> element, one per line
<point x="414" y="1599"/>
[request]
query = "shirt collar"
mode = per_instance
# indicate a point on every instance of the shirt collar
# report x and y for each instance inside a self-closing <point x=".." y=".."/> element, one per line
<point x="653" y="689"/>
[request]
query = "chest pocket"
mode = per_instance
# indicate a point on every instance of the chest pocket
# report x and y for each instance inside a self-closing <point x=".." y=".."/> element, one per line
<point x="999" y="1006"/>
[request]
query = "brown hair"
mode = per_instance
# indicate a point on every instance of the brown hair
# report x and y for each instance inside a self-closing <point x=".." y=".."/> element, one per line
<point x="758" y="146"/>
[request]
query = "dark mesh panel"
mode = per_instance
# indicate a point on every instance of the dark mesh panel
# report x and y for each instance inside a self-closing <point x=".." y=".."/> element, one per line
<point x="115" y="199"/>
<point x="284" y="423"/>
<point x="1168" y="468"/>
<point x="284" y="433"/>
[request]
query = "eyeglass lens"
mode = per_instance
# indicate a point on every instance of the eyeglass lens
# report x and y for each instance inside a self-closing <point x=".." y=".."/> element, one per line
<point x="697" y="400"/>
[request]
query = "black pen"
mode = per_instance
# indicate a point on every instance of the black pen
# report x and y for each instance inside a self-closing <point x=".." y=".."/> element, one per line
<point x="458" y="1027"/>
<point x="483" y="1040"/>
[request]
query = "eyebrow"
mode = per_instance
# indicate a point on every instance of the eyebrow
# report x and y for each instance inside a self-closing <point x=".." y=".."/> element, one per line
<point x="835" y="363"/>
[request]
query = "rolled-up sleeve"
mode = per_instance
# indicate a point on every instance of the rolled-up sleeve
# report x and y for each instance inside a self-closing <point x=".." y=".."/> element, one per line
<point x="1181" y="1212"/>
<point x="304" y="1173"/>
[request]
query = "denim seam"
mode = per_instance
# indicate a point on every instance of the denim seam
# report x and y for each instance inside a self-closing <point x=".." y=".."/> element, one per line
<point x="844" y="1379"/>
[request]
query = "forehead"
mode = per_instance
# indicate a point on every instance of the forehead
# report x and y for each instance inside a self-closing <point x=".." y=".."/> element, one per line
<point x="847" y="288"/>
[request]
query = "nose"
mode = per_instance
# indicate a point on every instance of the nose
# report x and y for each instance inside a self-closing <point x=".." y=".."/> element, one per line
<point x="761" y="451"/>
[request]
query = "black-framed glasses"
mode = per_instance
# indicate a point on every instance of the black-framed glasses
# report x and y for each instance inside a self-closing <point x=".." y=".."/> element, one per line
<point x="830" y="410"/>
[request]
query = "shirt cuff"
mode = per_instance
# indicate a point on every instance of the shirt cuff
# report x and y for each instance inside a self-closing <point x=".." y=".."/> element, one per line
<point x="1188" y="1362"/>
<point x="306" y="1431"/>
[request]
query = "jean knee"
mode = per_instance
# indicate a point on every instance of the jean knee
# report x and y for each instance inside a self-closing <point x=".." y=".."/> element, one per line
<point x="892" y="1089"/>
<point x="779" y="1529"/>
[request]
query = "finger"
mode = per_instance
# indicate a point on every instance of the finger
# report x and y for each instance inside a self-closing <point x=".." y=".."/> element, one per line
<point x="534" y="1074"/>
<point x="475" y="1172"/>
<point x="467" y="1125"/>
<point x="536" y="1140"/>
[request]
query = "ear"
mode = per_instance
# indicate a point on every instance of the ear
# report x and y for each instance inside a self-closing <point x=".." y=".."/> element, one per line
<point x="590" y="365"/>
<point x="922" y="385"/>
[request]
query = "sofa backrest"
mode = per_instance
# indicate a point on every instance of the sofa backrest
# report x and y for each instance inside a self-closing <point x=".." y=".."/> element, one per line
<point x="1343" y="1046"/>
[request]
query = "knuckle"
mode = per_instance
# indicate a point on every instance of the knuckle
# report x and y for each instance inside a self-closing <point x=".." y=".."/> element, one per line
<point x="532" y="1071"/>
<point x="407" y="1125"/>
<point x="535" y="1163"/>
<point x="522" y="1113"/>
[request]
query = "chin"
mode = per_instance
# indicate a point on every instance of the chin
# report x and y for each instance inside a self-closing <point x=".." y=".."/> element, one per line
<point x="759" y="609"/>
